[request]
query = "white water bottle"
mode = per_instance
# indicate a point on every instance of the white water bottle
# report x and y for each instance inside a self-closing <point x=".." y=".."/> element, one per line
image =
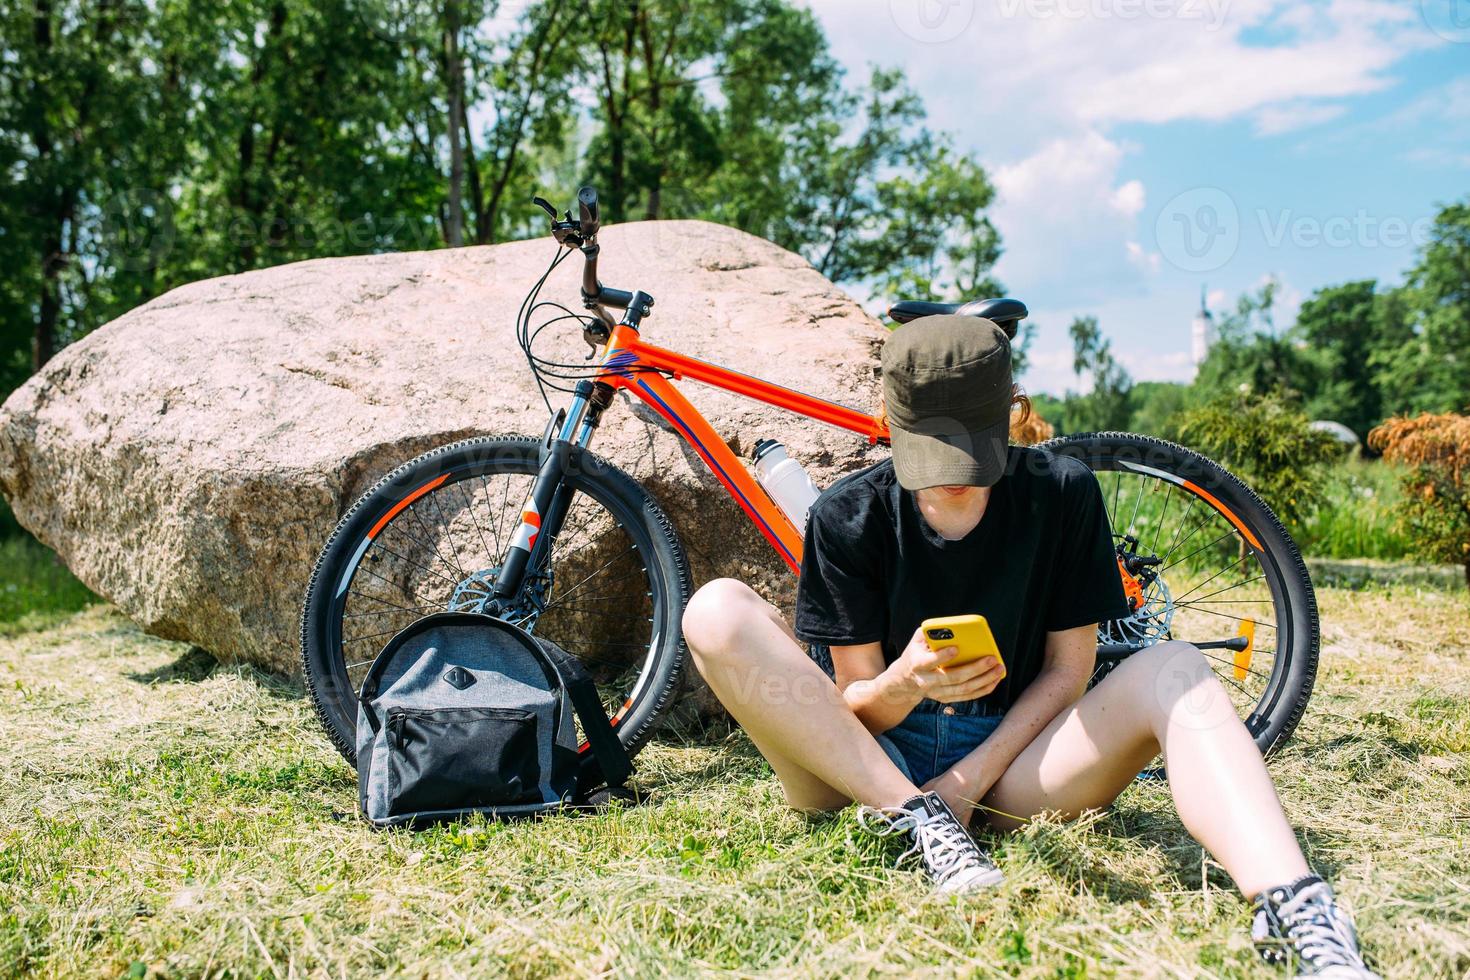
<point x="784" y="479"/>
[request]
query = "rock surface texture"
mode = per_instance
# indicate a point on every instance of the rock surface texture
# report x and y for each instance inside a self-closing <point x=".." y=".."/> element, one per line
<point x="189" y="459"/>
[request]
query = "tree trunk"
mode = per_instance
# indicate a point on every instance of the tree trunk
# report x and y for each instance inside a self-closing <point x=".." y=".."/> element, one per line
<point x="483" y="231"/>
<point x="55" y="257"/>
<point x="43" y="335"/>
<point x="454" y="71"/>
<point x="247" y="197"/>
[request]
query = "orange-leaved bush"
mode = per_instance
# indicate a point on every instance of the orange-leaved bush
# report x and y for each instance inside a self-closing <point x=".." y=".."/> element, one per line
<point x="1435" y="451"/>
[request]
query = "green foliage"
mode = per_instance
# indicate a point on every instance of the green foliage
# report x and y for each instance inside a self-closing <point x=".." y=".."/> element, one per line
<point x="1251" y="355"/>
<point x="1358" y="515"/>
<point x="1051" y="408"/>
<point x="34" y="586"/>
<point x="144" y="145"/>
<point x="1109" y="405"/>
<point x="1341" y="327"/>
<point x="1357" y="352"/>
<point x="1427" y="369"/>
<point x="1267" y="444"/>
<point x="1157" y="406"/>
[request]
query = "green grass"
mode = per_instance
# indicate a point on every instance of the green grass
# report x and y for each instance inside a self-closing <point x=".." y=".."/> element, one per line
<point x="1359" y="516"/>
<point x="35" y="588"/>
<point x="164" y="816"/>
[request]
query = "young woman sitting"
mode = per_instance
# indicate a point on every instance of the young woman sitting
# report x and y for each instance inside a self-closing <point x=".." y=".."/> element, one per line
<point x="959" y="522"/>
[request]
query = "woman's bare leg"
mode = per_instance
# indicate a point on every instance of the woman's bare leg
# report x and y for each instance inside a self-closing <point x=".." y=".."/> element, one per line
<point x="1165" y="698"/>
<point x="821" y="752"/>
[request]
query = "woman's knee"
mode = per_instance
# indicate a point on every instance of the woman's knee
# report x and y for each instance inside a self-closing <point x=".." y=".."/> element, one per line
<point x="1167" y="675"/>
<point x="718" y="615"/>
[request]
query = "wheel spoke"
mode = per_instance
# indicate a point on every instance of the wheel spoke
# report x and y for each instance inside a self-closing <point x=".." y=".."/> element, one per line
<point x="601" y="595"/>
<point x="1199" y="578"/>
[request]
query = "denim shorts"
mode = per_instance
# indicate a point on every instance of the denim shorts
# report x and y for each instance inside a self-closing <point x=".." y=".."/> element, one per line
<point x="926" y="743"/>
<point x="933" y="737"/>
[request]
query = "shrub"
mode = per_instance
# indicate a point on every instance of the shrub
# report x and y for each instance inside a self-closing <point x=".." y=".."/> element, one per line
<point x="1269" y="445"/>
<point x="1359" y="514"/>
<point x="1435" y="449"/>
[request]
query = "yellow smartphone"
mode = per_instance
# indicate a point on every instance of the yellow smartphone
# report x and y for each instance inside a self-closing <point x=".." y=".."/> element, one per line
<point x="970" y="633"/>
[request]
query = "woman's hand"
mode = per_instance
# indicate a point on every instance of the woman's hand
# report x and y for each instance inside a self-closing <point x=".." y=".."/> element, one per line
<point x="924" y="672"/>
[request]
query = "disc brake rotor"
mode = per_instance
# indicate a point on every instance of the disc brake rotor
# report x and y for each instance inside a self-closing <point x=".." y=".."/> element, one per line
<point x="475" y="592"/>
<point x="1148" y="595"/>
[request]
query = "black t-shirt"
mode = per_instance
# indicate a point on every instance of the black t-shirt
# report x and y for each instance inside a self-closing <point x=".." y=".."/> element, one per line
<point x="1041" y="559"/>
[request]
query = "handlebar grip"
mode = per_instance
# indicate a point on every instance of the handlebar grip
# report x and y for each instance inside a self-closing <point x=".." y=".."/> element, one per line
<point x="587" y="202"/>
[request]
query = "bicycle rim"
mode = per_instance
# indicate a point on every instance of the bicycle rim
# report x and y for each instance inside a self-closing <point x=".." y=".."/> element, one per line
<point x="1225" y="572"/>
<point x="436" y="547"/>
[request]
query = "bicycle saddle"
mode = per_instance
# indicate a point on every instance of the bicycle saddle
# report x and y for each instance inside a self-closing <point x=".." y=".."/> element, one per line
<point x="1004" y="313"/>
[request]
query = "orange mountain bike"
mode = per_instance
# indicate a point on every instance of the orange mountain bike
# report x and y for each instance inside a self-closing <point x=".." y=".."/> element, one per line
<point x="544" y="533"/>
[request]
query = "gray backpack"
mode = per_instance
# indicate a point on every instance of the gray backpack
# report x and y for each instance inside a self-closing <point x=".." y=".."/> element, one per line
<point x="463" y="713"/>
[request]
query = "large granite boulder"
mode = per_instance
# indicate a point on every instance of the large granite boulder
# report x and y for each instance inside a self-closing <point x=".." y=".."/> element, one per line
<point x="189" y="459"/>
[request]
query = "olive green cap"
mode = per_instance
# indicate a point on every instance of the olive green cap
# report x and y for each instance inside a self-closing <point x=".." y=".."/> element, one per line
<point x="947" y="392"/>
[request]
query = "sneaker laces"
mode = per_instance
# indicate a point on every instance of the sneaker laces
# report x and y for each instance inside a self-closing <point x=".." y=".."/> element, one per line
<point x="1318" y="930"/>
<point x="946" y="847"/>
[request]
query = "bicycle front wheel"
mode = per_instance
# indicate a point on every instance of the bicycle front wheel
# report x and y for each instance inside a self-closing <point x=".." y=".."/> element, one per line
<point x="1205" y="560"/>
<point x="429" y="537"/>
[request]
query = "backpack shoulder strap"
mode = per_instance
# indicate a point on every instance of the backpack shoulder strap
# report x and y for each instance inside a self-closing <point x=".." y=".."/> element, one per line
<point x="612" y="758"/>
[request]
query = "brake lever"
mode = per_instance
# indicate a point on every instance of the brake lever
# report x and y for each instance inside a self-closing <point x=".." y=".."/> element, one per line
<point x="598" y="333"/>
<point x="568" y="233"/>
<point x="544" y="205"/>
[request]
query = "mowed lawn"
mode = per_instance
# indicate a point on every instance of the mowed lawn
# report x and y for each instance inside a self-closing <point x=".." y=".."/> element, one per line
<point x="163" y="816"/>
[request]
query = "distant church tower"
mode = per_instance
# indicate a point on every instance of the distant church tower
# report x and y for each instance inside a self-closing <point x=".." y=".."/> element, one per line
<point x="1202" y="330"/>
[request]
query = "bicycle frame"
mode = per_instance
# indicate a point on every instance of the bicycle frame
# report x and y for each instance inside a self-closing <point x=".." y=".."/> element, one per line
<point x="632" y="364"/>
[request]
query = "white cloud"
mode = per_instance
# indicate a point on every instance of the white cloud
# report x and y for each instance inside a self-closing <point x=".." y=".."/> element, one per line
<point x="1041" y="91"/>
<point x="1141" y="257"/>
<point x="1130" y="198"/>
<point x="1288" y="301"/>
<point x="1064" y="216"/>
<point x="1077" y="63"/>
<point x="1438" y="157"/>
<point x="1276" y="119"/>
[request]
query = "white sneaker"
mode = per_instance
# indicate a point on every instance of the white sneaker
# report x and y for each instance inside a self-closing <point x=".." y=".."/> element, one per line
<point x="949" y="854"/>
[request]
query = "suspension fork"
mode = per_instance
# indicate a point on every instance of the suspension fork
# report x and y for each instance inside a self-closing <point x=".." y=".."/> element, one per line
<point x="545" y="509"/>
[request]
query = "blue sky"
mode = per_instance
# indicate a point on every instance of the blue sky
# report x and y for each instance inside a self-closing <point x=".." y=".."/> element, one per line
<point x="1143" y="149"/>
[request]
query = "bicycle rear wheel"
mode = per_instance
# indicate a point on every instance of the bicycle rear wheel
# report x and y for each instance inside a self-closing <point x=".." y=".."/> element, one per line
<point x="429" y="537"/>
<point x="1205" y="560"/>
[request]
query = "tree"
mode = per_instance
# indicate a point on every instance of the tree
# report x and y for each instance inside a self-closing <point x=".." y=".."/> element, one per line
<point x="82" y="97"/>
<point x="1268" y="444"/>
<point x="1108" y="405"/>
<point x="645" y="64"/>
<point x="735" y="111"/>
<point x="1157" y="406"/>
<point x="1435" y="449"/>
<point x="1341" y="327"/>
<point x="895" y="205"/>
<point x="528" y="88"/>
<point x="1251" y="355"/>
<point x="147" y="143"/>
<point x="1429" y="368"/>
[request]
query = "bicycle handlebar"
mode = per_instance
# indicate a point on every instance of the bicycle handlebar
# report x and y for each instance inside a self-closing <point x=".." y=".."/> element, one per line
<point x="582" y="234"/>
<point x="587" y="203"/>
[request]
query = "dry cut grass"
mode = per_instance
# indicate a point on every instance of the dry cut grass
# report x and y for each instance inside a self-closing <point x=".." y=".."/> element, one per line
<point x="163" y="816"/>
